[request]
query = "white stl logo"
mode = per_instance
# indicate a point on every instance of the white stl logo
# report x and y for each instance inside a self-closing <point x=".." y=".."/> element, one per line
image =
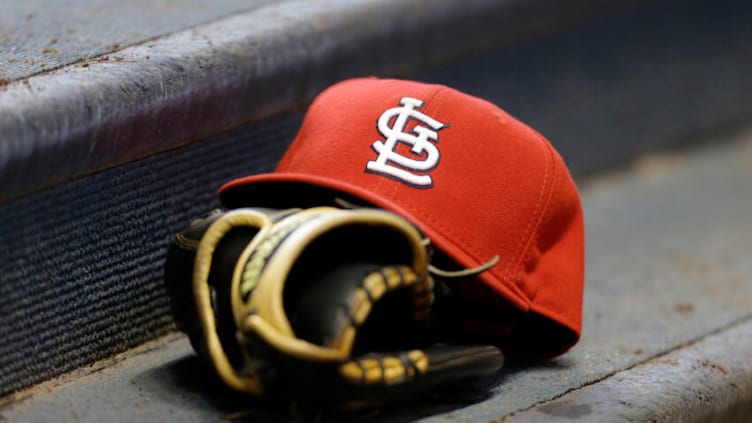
<point x="421" y="138"/>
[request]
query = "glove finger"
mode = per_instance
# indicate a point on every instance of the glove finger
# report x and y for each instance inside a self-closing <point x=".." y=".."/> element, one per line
<point x="380" y="378"/>
<point x="179" y="274"/>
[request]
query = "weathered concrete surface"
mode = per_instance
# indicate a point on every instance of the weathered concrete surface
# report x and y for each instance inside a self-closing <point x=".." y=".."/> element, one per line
<point x="169" y="91"/>
<point x="40" y="35"/>
<point x="707" y="381"/>
<point x="668" y="272"/>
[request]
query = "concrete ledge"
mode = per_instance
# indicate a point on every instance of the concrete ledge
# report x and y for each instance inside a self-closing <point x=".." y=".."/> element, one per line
<point x="189" y="85"/>
<point x="707" y="381"/>
<point x="37" y="36"/>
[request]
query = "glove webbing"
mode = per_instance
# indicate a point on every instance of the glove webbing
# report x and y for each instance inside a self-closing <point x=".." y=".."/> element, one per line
<point x="372" y="288"/>
<point x="387" y="369"/>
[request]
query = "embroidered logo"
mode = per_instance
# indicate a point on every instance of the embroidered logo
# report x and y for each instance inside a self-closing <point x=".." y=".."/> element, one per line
<point x="407" y="154"/>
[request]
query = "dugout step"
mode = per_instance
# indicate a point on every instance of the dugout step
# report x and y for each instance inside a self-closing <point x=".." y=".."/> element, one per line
<point x="667" y="329"/>
<point x="122" y="140"/>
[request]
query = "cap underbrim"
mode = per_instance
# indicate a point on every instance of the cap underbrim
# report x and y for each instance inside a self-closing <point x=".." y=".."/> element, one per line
<point x="288" y="189"/>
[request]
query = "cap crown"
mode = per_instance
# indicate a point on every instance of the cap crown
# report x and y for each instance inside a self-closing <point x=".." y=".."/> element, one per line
<point x="477" y="181"/>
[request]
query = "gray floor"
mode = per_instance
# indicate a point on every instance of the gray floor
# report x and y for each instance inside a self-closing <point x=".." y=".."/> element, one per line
<point x="668" y="290"/>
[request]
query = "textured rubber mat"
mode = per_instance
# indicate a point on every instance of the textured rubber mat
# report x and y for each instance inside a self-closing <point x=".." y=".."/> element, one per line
<point x="81" y="263"/>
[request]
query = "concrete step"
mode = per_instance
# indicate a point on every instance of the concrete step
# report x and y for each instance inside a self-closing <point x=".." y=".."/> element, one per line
<point x="119" y="121"/>
<point x="128" y="128"/>
<point x="667" y="330"/>
<point x="173" y="75"/>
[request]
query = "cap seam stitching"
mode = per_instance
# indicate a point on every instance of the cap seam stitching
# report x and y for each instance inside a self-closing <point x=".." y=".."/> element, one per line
<point x="557" y="176"/>
<point x="540" y="207"/>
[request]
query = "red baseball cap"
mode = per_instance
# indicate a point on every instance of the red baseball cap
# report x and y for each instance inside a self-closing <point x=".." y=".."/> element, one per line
<point x="477" y="181"/>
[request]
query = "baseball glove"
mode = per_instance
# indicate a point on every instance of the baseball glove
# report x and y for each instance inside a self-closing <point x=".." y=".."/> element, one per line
<point x="325" y="307"/>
